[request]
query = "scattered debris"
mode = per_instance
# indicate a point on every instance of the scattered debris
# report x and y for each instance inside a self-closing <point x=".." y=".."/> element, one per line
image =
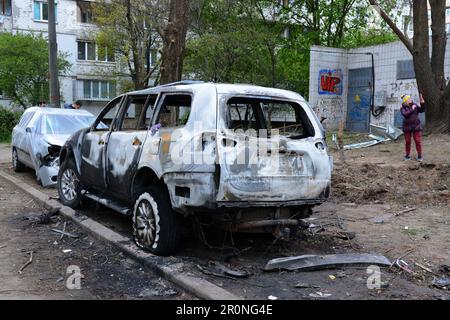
<point x="442" y="282"/>
<point x="219" y="270"/>
<point x="64" y="233"/>
<point x="272" y="297"/>
<point x="402" y="264"/>
<point x="42" y="218"/>
<point x="424" y="268"/>
<point x="319" y="294"/>
<point x="345" y="235"/>
<point x="404" y="211"/>
<point x="302" y="285"/>
<point x="445" y="268"/>
<point x="332" y="277"/>
<point x="27" y="263"/>
<point x="67" y="250"/>
<point x="318" y="262"/>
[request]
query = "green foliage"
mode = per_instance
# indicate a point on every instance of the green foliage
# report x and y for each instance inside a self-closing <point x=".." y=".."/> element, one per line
<point x="8" y="120"/>
<point x="243" y="41"/>
<point x="24" y="67"/>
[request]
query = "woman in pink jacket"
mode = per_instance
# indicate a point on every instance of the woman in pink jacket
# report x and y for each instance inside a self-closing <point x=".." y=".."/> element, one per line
<point x="411" y="125"/>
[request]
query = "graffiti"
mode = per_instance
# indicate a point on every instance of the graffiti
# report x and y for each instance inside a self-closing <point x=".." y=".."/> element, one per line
<point x="331" y="108"/>
<point x="358" y="109"/>
<point x="330" y="82"/>
<point x="399" y="88"/>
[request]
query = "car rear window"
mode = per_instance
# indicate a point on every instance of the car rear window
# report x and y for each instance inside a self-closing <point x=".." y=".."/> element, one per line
<point x="289" y="118"/>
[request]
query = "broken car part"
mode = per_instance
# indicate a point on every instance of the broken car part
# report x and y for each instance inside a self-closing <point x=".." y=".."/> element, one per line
<point x="318" y="262"/>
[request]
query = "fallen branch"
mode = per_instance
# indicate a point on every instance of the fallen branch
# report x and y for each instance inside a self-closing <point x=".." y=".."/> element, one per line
<point x="27" y="263"/>
<point x="404" y="211"/>
<point x="425" y="268"/>
<point x="75" y="236"/>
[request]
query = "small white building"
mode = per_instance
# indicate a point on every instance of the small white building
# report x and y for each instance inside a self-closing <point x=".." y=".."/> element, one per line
<point x="340" y="85"/>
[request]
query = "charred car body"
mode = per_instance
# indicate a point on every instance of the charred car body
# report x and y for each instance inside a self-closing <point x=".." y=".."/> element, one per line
<point x="244" y="155"/>
<point x="38" y="137"/>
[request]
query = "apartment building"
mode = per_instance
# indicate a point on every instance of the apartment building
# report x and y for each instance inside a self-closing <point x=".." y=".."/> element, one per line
<point x="93" y="75"/>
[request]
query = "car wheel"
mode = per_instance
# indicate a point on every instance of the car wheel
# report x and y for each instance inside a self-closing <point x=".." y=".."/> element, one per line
<point x="69" y="184"/>
<point x="156" y="227"/>
<point x="17" y="165"/>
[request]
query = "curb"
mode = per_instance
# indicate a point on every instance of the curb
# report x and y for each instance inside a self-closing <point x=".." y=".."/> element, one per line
<point x="199" y="287"/>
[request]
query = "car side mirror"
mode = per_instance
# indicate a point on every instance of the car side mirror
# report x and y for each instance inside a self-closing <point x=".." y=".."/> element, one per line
<point x="28" y="130"/>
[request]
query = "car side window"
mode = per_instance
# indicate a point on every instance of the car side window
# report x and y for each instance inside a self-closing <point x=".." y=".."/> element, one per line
<point x="137" y="113"/>
<point x="175" y="110"/>
<point x="108" y="116"/>
<point x="25" y="119"/>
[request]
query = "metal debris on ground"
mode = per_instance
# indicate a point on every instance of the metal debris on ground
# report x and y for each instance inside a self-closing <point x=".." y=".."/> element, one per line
<point x="67" y="250"/>
<point x="403" y="265"/>
<point x="272" y="297"/>
<point x="27" y="263"/>
<point x="320" y="295"/>
<point x="442" y="282"/>
<point x="318" y="262"/>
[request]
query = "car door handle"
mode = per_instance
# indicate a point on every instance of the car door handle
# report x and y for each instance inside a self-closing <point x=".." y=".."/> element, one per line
<point x="101" y="142"/>
<point x="136" y="142"/>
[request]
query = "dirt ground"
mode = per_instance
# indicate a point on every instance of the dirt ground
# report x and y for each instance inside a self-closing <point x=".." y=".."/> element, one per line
<point x="105" y="272"/>
<point x="395" y="208"/>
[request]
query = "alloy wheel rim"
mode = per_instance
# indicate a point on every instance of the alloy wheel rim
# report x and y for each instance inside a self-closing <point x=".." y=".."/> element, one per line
<point x="145" y="224"/>
<point x="69" y="182"/>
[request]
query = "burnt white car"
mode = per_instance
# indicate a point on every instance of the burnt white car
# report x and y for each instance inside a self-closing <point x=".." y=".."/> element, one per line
<point x="38" y="137"/>
<point x="246" y="157"/>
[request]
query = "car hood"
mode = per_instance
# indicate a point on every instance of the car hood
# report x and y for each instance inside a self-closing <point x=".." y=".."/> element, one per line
<point x="56" y="139"/>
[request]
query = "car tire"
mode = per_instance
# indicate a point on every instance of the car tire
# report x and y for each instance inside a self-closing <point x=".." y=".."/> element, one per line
<point x="17" y="165"/>
<point x="69" y="184"/>
<point x="156" y="227"/>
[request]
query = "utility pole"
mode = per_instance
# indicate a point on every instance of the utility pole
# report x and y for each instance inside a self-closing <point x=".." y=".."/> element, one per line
<point x="52" y="56"/>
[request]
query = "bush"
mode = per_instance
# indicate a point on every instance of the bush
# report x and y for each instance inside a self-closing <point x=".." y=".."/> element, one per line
<point x="8" y="119"/>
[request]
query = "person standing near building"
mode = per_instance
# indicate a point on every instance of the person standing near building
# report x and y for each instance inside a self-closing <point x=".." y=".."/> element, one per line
<point x="75" y="105"/>
<point x="411" y="125"/>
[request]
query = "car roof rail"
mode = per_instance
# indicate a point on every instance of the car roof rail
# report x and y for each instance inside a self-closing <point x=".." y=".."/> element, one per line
<point x="182" y="82"/>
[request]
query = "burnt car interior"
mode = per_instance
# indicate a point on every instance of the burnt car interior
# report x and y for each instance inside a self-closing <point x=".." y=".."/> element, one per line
<point x="289" y="118"/>
<point x="137" y="113"/>
<point x="175" y="110"/>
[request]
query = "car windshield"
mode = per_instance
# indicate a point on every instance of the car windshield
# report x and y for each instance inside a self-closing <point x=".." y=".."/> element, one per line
<point x="65" y="124"/>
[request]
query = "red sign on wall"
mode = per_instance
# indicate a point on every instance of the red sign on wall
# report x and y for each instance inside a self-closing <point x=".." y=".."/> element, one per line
<point x="330" y="81"/>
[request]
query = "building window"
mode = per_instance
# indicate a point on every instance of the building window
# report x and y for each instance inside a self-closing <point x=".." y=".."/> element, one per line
<point x="5" y="7"/>
<point x="153" y="57"/>
<point x="88" y="50"/>
<point x="41" y="11"/>
<point x="97" y="89"/>
<point x="85" y="10"/>
<point x="447" y="11"/>
<point x="405" y="70"/>
<point x="447" y="27"/>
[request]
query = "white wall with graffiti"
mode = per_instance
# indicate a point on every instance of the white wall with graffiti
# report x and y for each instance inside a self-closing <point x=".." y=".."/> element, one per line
<point x="329" y="81"/>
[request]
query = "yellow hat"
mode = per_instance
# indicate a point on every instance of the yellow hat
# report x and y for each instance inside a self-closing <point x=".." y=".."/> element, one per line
<point x="405" y="98"/>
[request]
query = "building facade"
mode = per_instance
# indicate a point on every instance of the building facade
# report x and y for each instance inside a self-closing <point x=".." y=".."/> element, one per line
<point x="340" y="85"/>
<point x="93" y="74"/>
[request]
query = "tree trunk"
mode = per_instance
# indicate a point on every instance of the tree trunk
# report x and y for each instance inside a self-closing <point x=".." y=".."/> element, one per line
<point x="174" y="39"/>
<point x="429" y="71"/>
<point x="426" y="69"/>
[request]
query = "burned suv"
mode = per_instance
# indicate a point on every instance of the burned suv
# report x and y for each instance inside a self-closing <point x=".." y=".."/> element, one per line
<point x="249" y="157"/>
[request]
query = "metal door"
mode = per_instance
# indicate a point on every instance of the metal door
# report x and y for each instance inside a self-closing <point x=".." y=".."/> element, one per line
<point x="359" y="100"/>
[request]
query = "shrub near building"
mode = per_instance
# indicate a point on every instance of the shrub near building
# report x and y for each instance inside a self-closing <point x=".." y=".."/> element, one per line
<point x="8" y="120"/>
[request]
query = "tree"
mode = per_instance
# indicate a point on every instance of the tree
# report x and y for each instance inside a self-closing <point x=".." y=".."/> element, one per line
<point x="174" y="41"/>
<point x="327" y="21"/>
<point x="429" y="70"/>
<point x="129" y="28"/>
<point x="24" y="67"/>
